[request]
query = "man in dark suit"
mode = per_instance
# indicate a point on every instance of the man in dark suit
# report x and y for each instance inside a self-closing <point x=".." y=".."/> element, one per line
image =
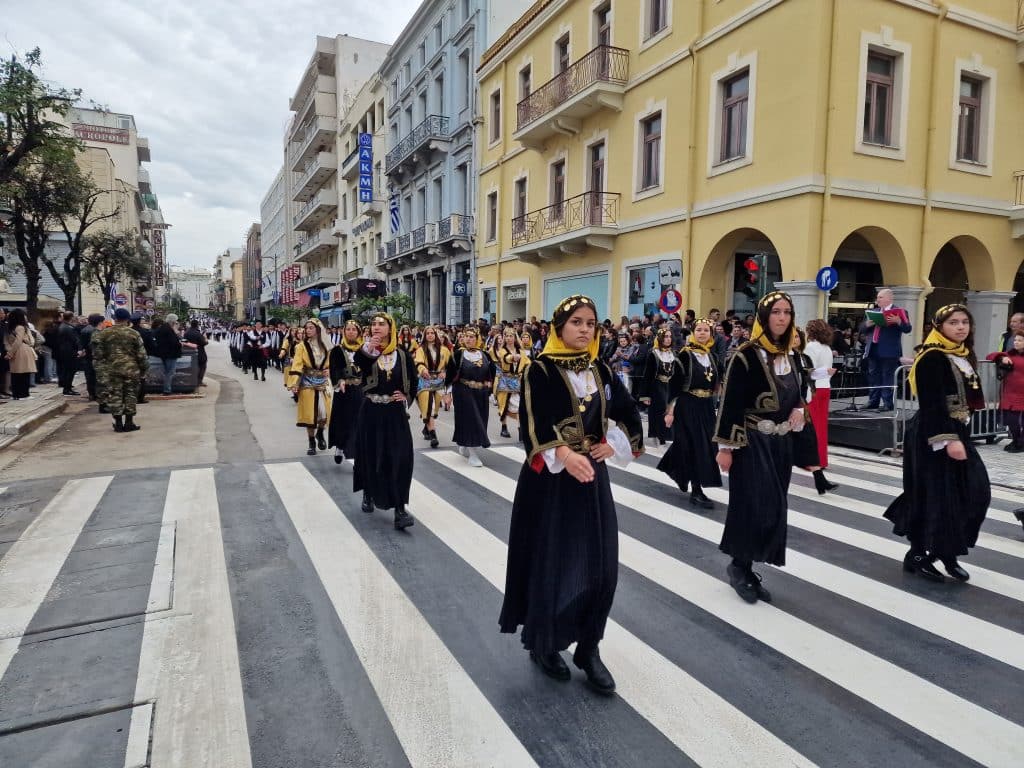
<point x="1016" y="326"/>
<point x="66" y="352"/>
<point x="883" y="347"/>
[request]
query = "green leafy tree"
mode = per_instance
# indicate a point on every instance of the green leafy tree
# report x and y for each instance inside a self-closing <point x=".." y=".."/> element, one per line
<point x="28" y="111"/>
<point x="398" y="305"/>
<point x="112" y="257"/>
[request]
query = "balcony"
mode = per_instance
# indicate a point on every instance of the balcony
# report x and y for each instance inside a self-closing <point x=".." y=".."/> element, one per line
<point x="318" y="136"/>
<point x="372" y="208"/>
<point x="350" y="165"/>
<point x="316" y="210"/>
<point x="323" y="94"/>
<point x="342" y="228"/>
<point x="144" y="184"/>
<point x="429" y="136"/>
<point x="319" y="170"/>
<point x="142" y="148"/>
<point x="457" y="229"/>
<point x="596" y="81"/>
<point x="571" y="226"/>
<point x="323" y="242"/>
<point x="318" y="278"/>
<point x="1017" y="210"/>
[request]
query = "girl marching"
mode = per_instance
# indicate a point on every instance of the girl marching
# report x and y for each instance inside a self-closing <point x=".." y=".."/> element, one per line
<point x="690" y="460"/>
<point x="470" y="375"/>
<point x="431" y="359"/>
<point x="346" y="378"/>
<point x="511" y="360"/>
<point x="308" y="379"/>
<point x="661" y="365"/>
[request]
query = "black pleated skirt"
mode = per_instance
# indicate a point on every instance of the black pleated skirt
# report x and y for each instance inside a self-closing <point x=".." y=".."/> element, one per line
<point x="383" y="454"/>
<point x="691" y="457"/>
<point x="470" y="416"/>
<point x="656" y="412"/>
<point x="341" y="432"/>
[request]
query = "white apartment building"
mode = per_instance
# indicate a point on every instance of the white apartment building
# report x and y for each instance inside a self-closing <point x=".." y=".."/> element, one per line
<point x="190" y="283"/>
<point x="337" y="70"/>
<point x="274" y="244"/>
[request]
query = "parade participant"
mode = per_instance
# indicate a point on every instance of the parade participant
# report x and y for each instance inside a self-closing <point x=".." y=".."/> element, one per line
<point x="563" y="538"/>
<point x="347" y="380"/>
<point x="406" y="340"/>
<point x="1011" y="401"/>
<point x="661" y="367"/>
<point x="690" y="460"/>
<point x="308" y="379"/>
<point x="256" y="344"/>
<point x="431" y="360"/>
<point x="120" y="359"/>
<point x="818" y="352"/>
<point x="510" y="362"/>
<point x="295" y="337"/>
<point x="470" y="374"/>
<point x="946" y="489"/>
<point x="761" y="407"/>
<point x="384" y="453"/>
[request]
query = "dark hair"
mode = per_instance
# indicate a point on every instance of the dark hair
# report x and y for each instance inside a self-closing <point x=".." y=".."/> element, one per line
<point x="819" y="330"/>
<point x="95" y="319"/>
<point x="15" y="318"/>
<point x="944" y="313"/>
<point x="764" y="311"/>
<point x="67" y="317"/>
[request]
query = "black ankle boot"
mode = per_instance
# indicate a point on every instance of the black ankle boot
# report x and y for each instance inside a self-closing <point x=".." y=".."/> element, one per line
<point x="923" y="564"/>
<point x="504" y="431"/>
<point x="119" y="423"/>
<point x="402" y="518"/>
<point x="426" y="432"/>
<point x="699" y="499"/>
<point x="312" y="447"/>
<point x="129" y="423"/>
<point x="552" y="665"/>
<point x="433" y="439"/>
<point x="588" y="659"/>
<point x="367" y="505"/>
<point x="821" y="483"/>
<point x="103" y="408"/>
<point x="1019" y="514"/>
<point x="263" y="376"/>
<point x="321" y="443"/>
<point x="954" y="569"/>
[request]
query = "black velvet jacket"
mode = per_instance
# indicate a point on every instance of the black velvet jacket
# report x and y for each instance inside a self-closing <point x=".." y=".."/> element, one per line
<point x="945" y="396"/>
<point x="342" y="370"/>
<point x="550" y="410"/>
<point x="377" y="381"/>
<point x="749" y="391"/>
<point x="690" y="376"/>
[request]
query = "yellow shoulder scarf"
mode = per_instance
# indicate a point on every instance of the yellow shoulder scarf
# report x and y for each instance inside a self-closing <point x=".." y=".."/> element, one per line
<point x="392" y="341"/>
<point x="573" y="359"/>
<point x="352" y="346"/>
<point x="759" y="337"/>
<point x="935" y="340"/>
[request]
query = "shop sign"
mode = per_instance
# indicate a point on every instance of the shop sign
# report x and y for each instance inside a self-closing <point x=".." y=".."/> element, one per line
<point x="515" y="293"/>
<point x="365" y="168"/>
<point x="102" y="133"/>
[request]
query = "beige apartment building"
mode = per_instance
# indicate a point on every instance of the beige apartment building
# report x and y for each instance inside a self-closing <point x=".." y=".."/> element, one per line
<point x="630" y="146"/>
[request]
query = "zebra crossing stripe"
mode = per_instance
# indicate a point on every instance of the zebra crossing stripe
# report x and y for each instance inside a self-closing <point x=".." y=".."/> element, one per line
<point x="694" y="718"/>
<point x="30" y="566"/>
<point x="966" y="727"/>
<point x="408" y="665"/>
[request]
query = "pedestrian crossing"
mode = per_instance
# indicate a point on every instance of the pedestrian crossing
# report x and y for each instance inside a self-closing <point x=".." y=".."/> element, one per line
<point x="300" y="631"/>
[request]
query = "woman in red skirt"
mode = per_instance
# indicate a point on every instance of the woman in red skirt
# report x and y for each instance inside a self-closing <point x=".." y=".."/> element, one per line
<point x="819" y="340"/>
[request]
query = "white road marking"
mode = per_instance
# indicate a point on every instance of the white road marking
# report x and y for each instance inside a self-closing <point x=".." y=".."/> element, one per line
<point x="946" y="717"/>
<point x="707" y="728"/>
<point x="32" y="564"/>
<point x="137" y="753"/>
<point x="439" y="715"/>
<point x="188" y="665"/>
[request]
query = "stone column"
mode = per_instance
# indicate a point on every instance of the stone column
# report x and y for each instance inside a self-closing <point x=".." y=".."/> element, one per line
<point x="806" y="299"/>
<point x="435" y="297"/>
<point x="990" y="310"/>
<point x="421" y="298"/>
<point x="911" y="298"/>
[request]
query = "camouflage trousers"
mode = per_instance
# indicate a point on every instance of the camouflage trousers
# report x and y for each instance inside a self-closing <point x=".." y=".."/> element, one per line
<point x="119" y="393"/>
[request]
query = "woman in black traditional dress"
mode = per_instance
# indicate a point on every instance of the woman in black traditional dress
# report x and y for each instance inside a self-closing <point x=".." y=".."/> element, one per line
<point x="563" y="539"/>
<point x="762" y="407"/>
<point x="348" y="386"/>
<point x="690" y="461"/>
<point x="471" y="375"/>
<point x="384" y="454"/>
<point x="661" y="367"/>
<point x="946" y="490"/>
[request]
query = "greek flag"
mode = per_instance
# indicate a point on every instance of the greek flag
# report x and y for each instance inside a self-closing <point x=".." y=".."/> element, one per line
<point x="396" y="221"/>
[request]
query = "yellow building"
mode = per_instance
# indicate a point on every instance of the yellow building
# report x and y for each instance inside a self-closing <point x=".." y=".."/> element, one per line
<point x="624" y="138"/>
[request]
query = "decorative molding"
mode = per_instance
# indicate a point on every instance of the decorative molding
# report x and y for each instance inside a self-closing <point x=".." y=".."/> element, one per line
<point x="971" y="18"/>
<point x="792" y="188"/>
<point x="748" y="14"/>
<point x="873" y="190"/>
<point x="672" y="216"/>
<point x="657" y="69"/>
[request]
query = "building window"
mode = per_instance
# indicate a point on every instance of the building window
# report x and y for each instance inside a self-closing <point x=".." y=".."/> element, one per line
<point x="438" y="37"/>
<point x="525" y="81"/>
<point x="492" y="217"/>
<point x="968" y="139"/>
<point x="439" y="94"/>
<point x="557" y="189"/>
<point x="495" y="116"/>
<point x="464" y="78"/>
<point x="650" y="152"/>
<point x="735" y="93"/>
<point x="394" y="89"/>
<point x="880" y="80"/>
<point x="562" y="53"/>
<point x="657" y="17"/>
<point x="519" y="207"/>
<point x="406" y="74"/>
<point x="465" y="10"/>
<point x="603" y="24"/>
<point x="421" y="54"/>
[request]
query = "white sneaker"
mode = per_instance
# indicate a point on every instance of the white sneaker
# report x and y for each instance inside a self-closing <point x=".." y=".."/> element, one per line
<point x="463" y="450"/>
<point x="474" y="460"/>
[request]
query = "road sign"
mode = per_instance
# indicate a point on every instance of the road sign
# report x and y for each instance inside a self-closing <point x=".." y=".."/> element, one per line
<point x="120" y="299"/>
<point x="670" y="271"/>
<point x="459" y="288"/>
<point x="671" y="300"/>
<point x="827" y="279"/>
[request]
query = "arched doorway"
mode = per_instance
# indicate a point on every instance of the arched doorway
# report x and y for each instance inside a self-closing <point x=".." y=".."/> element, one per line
<point x="723" y="282"/>
<point x="1018" y="285"/>
<point x="962" y="264"/>
<point x="867" y="258"/>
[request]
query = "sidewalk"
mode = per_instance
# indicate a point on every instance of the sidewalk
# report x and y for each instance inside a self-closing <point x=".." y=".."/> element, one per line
<point x="18" y="418"/>
<point x="1005" y="469"/>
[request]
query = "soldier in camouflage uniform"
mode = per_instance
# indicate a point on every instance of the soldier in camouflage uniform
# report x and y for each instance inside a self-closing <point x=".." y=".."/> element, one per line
<point x="120" y="359"/>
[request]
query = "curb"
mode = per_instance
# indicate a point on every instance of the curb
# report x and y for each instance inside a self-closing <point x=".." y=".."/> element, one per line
<point x="10" y="431"/>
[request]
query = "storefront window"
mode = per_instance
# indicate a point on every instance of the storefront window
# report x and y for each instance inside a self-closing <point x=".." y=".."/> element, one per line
<point x="644" y="290"/>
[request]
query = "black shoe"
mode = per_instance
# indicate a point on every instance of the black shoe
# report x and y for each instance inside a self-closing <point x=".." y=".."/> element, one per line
<point x="119" y="423"/>
<point x="321" y="442"/>
<point x="434" y="442"/>
<point x="698" y="499"/>
<point x="103" y="408"/>
<point x="953" y="569"/>
<point x="426" y="432"/>
<point x="598" y="676"/>
<point x="1019" y="514"/>
<point x="505" y="432"/>
<point x="915" y="562"/>
<point x="1013" y="448"/>
<point x="821" y="483"/>
<point x="142" y="401"/>
<point x="402" y="518"/>
<point x="762" y="593"/>
<point x="552" y="665"/>
<point x="70" y="393"/>
<point x="312" y="447"/>
<point x="367" y="505"/>
<point x="338" y="456"/>
<point x="129" y="423"/>
<point x="263" y="377"/>
<point x="661" y="441"/>
<point x="744" y="583"/>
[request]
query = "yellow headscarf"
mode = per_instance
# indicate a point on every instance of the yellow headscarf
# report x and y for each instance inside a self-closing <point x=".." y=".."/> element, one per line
<point x="392" y="341"/>
<point x="936" y="340"/>
<point x="760" y="337"/>
<point x="557" y="349"/>
<point x="352" y="346"/>
<point x="692" y="342"/>
<point x="468" y="331"/>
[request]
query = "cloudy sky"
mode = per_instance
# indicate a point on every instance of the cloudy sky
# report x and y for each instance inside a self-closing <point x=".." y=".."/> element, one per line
<point x="208" y="82"/>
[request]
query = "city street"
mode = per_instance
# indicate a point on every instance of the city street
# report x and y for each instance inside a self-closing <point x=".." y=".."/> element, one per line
<point x="202" y="593"/>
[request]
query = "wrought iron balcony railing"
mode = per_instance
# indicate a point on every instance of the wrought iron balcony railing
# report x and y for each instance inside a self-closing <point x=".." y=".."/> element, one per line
<point x="433" y="127"/>
<point x="591" y="209"/>
<point x="392" y="248"/>
<point x="456" y="225"/>
<point x="1018" y="183"/>
<point x="403" y="242"/>
<point x="604" y="63"/>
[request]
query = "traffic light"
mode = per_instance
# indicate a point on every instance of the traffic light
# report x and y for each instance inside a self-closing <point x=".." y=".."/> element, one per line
<point x="752" y="277"/>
